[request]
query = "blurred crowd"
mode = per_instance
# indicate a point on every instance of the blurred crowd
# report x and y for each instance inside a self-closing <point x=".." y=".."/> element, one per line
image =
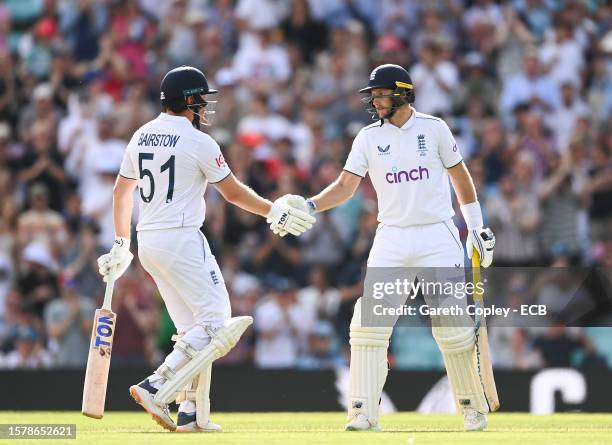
<point x="525" y="85"/>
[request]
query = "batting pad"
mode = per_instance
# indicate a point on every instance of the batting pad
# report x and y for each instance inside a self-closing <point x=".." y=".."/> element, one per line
<point x="198" y="392"/>
<point x="458" y="344"/>
<point x="222" y="341"/>
<point x="369" y="369"/>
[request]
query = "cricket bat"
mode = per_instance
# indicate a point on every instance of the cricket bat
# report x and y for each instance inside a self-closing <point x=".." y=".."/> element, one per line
<point x="98" y="362"/>
<point x="483" y="355"/>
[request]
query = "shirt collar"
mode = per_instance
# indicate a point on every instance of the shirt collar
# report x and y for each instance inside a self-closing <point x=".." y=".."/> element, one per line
<point x="410" y="122"/>
<point x="171" y="118"/>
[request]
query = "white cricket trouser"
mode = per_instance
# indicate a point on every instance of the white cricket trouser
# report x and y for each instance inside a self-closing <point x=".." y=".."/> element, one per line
<point x="187" y="276"/>
<point x="424" y="246"/>
<point x="429" y="245"/>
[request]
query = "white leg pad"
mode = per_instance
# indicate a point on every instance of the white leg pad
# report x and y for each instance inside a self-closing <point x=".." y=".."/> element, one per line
<point x="369" y="368"/>
<point x="223" y="339"/>
<point x="198" y="392"/>
<point x="203" y="397"/>
<point x="458" y="346"/>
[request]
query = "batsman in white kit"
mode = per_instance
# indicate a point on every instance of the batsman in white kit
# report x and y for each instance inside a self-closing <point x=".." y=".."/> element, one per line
<point x="171" y="161"/>
<point x="409" y="157"/>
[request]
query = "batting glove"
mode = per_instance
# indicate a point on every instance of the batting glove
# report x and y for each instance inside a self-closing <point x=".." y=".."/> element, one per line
<point x="297" y="202"/>
<point x="113" y="264"/>
<point x="483" y="240"/>
<point x="285" y="218"/>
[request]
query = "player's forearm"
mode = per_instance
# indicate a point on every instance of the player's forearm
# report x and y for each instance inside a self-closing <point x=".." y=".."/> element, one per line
<point x="339" y="191"/>
<point x="466" y="195"/>
<point x="463" y="184"/>
<point x="248" y="200"/>
<point x="122" y="214"/>
<point x="122" y="205"/>
<point x="243" y="196"/>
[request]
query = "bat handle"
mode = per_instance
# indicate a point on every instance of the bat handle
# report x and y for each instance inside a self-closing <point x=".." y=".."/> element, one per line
<point x="108" y="295"/>
<point x="475" y="258"/>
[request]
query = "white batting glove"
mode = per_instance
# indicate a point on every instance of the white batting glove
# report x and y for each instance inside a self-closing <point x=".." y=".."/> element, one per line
<point x="483" y="240"/>
<point x="295" y="201"/>
<point x="113" y="264"/>
<point x="283" y="217"/>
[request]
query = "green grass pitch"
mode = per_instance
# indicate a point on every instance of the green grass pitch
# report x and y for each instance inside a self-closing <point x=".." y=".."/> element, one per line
<point x="133" y="428"/>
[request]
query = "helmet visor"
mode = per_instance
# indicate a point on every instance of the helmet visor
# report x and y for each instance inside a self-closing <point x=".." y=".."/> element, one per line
<point x="205" y="109"/>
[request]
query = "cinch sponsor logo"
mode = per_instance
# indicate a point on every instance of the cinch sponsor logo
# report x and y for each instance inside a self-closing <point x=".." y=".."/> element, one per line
<point x="396" y="176"/>
<point x="104" y="330"/>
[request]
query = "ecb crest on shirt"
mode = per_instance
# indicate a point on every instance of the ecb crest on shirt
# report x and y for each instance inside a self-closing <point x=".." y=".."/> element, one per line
<point x="422" y="148"/>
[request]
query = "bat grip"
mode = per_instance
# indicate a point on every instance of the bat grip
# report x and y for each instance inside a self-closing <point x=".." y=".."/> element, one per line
<point x="475" y="258"/>
<point x="108" y="295"/>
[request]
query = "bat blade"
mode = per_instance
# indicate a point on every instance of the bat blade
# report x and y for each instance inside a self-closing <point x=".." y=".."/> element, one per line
<point x="98" y="363"/>
<point x="483" y="354"/>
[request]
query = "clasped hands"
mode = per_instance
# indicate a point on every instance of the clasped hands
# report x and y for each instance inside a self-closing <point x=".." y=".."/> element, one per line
<point x="290" y="214"/>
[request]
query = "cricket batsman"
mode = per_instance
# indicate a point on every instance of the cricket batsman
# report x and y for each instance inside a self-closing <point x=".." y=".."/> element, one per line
<point x="410" y="157"/>
<point x="171" y="161"/>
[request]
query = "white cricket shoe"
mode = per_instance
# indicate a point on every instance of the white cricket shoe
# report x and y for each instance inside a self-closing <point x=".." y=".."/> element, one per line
<point x="186" y="423"/>
<point x="143" y="394"/>
<point x="474" y="420"/>
<point x="360" y="422"/>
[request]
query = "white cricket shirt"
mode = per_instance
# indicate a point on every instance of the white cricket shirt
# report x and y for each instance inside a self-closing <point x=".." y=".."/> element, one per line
<point x="407" y="167"/>
<point x="173" y="162"/>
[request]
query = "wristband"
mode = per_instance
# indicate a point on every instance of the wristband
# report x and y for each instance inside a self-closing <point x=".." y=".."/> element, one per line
<point x="472" y="215"/>
<point x="122" y="243"/>
<point x="312" y="207"/>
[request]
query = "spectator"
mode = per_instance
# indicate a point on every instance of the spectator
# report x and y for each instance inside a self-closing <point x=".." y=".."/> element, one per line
<point x="35" y="49"/>
<point x="8" y="88"/>
<point x="322" y="352"/>
<point x="564" y="119"/>
<point x="132" y="113"/>
<point x="477" y="83"/>
<point x="562" y="57"/>
<point x="559" y="349"/>
<point x="597" y="192"/>
<point x="10" y="315"/>
<point x="80" y="262"/>
<point x="493" y="149"/>
<point x="37" y="281"/>
<point x="435" y="79"/>
<point x="263" y="64"/>
<point x="43" y="164"/>
<point x="319" y="299"/>
<point x="560" y="206"/>
<point x="69" y="320"/>
<point x="84" y="22"/>
<point x="326" y="242"/>
<point x="280" y="326"/>
<point x="281" y="255"/>
<point x="40" y="115"/>
<point x="29" y="352"/>
<point x="302" y="30"/>
<point x="530" y="86"/>
<point x="515" y="218"/>
<point x="40" y="223"/>
<point x="137" y="320"/>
